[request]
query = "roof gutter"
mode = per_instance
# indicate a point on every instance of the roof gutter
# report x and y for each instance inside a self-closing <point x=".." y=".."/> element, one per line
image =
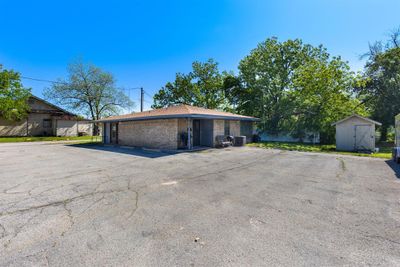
<point x="192" y="116"/>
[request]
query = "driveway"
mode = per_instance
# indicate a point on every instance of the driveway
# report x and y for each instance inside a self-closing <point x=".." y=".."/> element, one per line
<point x="71" y="205"/>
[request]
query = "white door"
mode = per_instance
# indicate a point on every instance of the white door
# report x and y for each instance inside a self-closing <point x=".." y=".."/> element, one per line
<point x="107" y="133"/>
<point x="364" y="139"/>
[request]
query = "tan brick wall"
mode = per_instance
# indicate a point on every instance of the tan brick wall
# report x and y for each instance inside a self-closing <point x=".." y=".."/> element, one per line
<point x="234" y="128"/>
<point x="162" y="134"/>
<point x="218" y="129"/>
<point x="182" y="128"/>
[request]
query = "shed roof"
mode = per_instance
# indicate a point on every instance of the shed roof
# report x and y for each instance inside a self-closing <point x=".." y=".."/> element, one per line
<point x="358" y="116"/>
<point x="180" y="111"/>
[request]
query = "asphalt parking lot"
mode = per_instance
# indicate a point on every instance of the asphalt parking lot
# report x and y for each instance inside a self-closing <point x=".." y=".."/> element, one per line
<point x="68" y="205"/>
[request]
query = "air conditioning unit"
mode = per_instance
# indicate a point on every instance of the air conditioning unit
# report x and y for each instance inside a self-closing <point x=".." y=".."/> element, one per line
<point x="240" y="140"/>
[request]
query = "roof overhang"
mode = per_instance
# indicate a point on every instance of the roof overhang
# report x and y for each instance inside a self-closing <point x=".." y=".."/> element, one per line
<point x="191" y="116"/>
<point x="358" y="116"/>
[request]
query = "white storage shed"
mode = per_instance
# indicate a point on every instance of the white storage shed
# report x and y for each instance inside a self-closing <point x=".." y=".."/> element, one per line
<point x="355" y="133"/>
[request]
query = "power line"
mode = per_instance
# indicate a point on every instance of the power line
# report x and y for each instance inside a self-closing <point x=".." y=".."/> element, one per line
<point x="121" y="88"/>
<point x="50" y="81"/>
<point x="131" y="88"/>
<point x="41" y="80"/>
<point x="148" y="94"/>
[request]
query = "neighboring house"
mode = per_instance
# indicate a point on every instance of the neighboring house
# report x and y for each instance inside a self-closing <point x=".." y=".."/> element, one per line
<point x="175" y="127"/>
<point x="46" y="119"/>
<point x="355" y="133"/>
<point x="310" y="137"/>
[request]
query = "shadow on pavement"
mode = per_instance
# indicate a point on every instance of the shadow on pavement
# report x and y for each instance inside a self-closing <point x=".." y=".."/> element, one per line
<point x="124" y="150"/>
<point x="395" y="167"/>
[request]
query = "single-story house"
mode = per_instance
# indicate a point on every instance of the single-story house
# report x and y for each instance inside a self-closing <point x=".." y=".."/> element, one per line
<point x="46" y="119"/>
<point x="355" y="133"/>
<point x="175" y="127"/>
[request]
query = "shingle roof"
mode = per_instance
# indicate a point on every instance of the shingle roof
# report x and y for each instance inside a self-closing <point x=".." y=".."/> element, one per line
<point x="358" y="116"/>
<point x="180" y="111"/>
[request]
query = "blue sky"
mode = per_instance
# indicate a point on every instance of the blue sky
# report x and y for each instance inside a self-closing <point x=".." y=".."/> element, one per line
<point x="144" y="43"/>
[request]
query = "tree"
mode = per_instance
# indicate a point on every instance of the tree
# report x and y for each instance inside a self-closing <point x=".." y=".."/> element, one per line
<point x="380" y="89"/>
<point x="323" y="93"/>
<point x="266" y="74"/>
<point x="202" y="87"/>
<point x="13" y="96"/>
<point x="294" y="88"/>
<point x="89" y="90"/>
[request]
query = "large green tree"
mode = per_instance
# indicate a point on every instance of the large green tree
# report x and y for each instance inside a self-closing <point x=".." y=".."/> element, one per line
<point x="203" y="87"/>
<point x="13" y="96"/>
<point x="380" y="89"/>
<point x="293" y="87"/>
<point x="323" y="93"/>
<point x="267" y="77"/>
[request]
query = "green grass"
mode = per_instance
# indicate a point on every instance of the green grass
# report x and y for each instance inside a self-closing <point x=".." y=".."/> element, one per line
<point x="385" y="151"/>
<point x="79" y="139"/>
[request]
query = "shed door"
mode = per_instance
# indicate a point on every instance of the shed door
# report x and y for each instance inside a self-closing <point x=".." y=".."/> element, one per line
<point x="364" y="140"/>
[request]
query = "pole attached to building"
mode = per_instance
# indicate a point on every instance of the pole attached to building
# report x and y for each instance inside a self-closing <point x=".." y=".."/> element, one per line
<point x="189" y="132"/>
<point x="141" y="98"/>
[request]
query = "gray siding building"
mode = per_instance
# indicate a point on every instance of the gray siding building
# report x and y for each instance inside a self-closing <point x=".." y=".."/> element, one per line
<point x="355" y="133"/>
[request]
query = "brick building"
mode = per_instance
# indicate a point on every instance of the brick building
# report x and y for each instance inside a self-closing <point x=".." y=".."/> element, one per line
<point x="175" y="127"/>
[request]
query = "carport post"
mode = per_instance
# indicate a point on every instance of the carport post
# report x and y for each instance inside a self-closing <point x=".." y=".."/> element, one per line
<point x="189" y="144"/>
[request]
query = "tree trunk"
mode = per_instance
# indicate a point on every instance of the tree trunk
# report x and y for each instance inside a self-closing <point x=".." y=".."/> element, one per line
<point x="95" y="129"/>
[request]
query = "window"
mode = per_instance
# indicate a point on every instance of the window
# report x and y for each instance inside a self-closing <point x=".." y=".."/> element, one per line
<point x="47" y="123"/>
<point x="226" y="129"/>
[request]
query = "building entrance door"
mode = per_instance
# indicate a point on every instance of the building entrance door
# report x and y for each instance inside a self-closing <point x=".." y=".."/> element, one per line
<point x="114" y="133"/>
<point x="196" y="132"/>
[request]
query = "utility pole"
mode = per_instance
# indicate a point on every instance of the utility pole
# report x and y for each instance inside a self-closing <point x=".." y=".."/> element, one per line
<point x="141" y="98"/>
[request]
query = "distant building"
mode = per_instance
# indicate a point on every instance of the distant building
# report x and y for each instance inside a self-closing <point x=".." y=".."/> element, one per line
<point x="308" y="138"/>
<point x="176" y="127"/>
<point x="46" y="119"/>
<point x="355" y="133"/>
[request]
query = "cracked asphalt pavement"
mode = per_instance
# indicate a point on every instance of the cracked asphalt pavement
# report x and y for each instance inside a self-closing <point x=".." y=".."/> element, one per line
<point x="76" y="205"/>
